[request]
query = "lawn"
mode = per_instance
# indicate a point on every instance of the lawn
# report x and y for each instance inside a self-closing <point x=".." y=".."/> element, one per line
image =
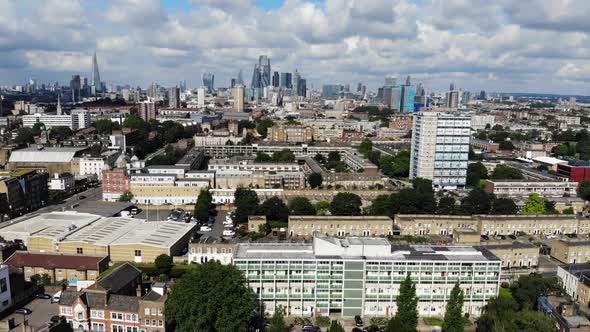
<point x="505" y="292"/>
<point x="433" y="321"/>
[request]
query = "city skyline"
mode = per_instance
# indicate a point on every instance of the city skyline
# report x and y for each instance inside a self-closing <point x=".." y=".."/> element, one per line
<point x="479" y="46"/>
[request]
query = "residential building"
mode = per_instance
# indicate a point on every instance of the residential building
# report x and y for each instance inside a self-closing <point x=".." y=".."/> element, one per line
<point x="577" y="204"/>
<point x="482" y="121"/>
<point x="58" y="266"/>
<point x="5" y="290"/>
<point x="524" y="188"/>
<point x="208" y="248"/>
<point x="147" y="110"/>
<point x="78" y="119"/>
<point x="340" y="226"/>
<point x="290" y="134"/>
<point x="484" y="146"/>
<point x="159" y="189"/>
<point x="515" y="255"/>
<point x="174" y="97"/>
<point x="400" y="122"/>
<point x="112" y="304"/>
<point x="362" y="276"/>
<point x="571" y="252"/>
<point x="431" y="224"/>
<point x="570" y="275"/>
<point x="440" y="148"/>
<point x="238" y="95"/>
<point x="62" y="182"/>
<point x="26" y="190"/>
<point x="115" y="183"/>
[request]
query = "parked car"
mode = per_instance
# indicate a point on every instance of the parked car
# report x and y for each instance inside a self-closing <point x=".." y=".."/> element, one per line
<point x="356" y="329"/>
<point x="228" y="232"/>
<point x="205" y="229"/>
<point x="485" y="237"/>
<point x="43" y="296"/>
<point x="23" y="311"/>
<point x="373" y="328"/>
<point x="56" y="297"/>
<point x="358" y="321"/>
<point x="310" y="328"/>
<point x="512" y="236"/>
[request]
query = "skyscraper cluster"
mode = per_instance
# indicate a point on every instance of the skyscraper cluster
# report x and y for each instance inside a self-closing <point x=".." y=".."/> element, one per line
<point x="208" y="81"/>
<point x="261" y="76"/>
<point x="399" y="98"/>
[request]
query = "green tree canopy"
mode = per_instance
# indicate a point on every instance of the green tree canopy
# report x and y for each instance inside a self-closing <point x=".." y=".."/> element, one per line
<point x="322" y="207"/>
<point x="366" y="146"/>
<point x="382" y="205"/>
<point x="106" y="126"/>
<point x="163" y="263"/>
<point x="454" y="320"/>
<point x="277" y="322"/>
<point x="262" y="127"/>
<point x="446" y="205"/>
<point x="396" y="166"/>
<point x="274" y="209"/>
<point x="284" y="155"/>
<point x="246" y="203"/>
<point x="584" y="189"/>
<point x="535" y="205"/>
<point x="505" y="172"/>
<point x="335" y="326"/>
<point x="503" y="205"/>
<point x="262" y="157"/>
<point x="476" y="172"/>
<point x="135" y="122"/>
<point x="476" y="202"/>
<point x="346" y="204"/>
<point x="301" y="206"/>
<point x="126" y="197"/>
<point x="211" y="298"/>
<point x="315" y="180"/>
<point x="406" y="317"/>
<point x="202" y="208"/>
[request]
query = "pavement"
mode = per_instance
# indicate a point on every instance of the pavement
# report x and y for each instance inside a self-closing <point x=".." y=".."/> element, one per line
<point x="42" y="309"/>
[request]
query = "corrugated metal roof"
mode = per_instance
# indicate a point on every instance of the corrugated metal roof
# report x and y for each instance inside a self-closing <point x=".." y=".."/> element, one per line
<point x="46" y="155"/>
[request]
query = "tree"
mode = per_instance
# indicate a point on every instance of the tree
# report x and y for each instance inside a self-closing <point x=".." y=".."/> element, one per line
<point x="163" y="263"/>
<point x="262" y="127"/>
<point x="410" y="200"/>
<point x="315" y="180"/>
<point x="346" y="204"/>
<point x="396" y="166"/>
<point x="422" y="185"/>
<point x="248" y="139"/>
<point x="106" y="126"/>
<point x="476" y="202"/>
<point x="301" y="206"/>
<point x="382" y="205"/>
<point x="406" y="317"/>
<point x="584" y="189"/>
<point x="284" y="155"/>
<point x="202" y="208"/>
<point x="453" y="320"/>
<point x="134" y="122"/>
<point x="262" y="157"/>
<point x="535" y="205"/>
<point x="366" y="146"/>
<point x="446" y="205"/>
<point x="211" y="298"/>
<point x="126" y="197"/>
<point x="274" y="209"/>
<point x="333" y="156"/>
<point x="505" y="172"/>
<point x="335" y="327"/>
<point x="475" y="172"/>
<point x="503" y="206"/>
<point x="569" y="210"/>
<point x="277" y="322"/>
<point x="24" y="136"/>
<point x="246" y="202"/>
<point x="319" y="158"/>
<point x="322" y="207"/>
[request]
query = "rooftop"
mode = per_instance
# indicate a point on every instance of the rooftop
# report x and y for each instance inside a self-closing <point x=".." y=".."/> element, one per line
<point x="45" y="155"/>
<point x="54" y="261"/>
<point x="339" y="218"/>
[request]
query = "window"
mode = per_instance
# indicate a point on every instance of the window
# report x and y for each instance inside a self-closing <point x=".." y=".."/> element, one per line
<point x="137" y="253"/>
<point x="96" y="313"/>
<point x="147" y="311"/>
<point x="66" y="310"/>
<point x="3" y="285"/>
<point x="153" y="311"/>
<point x="79" y="251"/>
<point x="147" y="322"/>
<point x="160" y="311"/>
<point x="160" y="323"/>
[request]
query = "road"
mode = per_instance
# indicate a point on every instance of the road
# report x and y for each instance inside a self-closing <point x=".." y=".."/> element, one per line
<point x="217" y="229"/>
<point x="42" y="312"/>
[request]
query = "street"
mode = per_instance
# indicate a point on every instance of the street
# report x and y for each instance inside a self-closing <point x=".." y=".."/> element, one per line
<point x="42" y="311"/>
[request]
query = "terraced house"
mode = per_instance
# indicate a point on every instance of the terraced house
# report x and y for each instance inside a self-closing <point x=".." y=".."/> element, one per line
<point x="362" y="276"/>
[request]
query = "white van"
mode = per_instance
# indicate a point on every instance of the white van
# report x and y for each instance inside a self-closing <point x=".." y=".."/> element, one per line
<point x="55" y="298"/>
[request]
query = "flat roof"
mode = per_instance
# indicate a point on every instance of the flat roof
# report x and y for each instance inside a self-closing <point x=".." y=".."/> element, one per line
<point x="159" y="234"/>
<point x="45" y="155"/>
<point x="549" y="160"/>
<point x="54" y="225"/>
<point x="512" y="245"/>
<point x="104" y="231"/>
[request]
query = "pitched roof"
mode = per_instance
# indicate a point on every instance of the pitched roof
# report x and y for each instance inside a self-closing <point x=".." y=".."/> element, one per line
<point x="53" y="261"/>
<point x="46" y="155"/>
<point x="120" y="277"/>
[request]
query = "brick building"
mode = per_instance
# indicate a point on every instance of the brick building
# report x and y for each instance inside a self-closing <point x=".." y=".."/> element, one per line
<point x="58" y="267"/>
<point x="114" y="184"/>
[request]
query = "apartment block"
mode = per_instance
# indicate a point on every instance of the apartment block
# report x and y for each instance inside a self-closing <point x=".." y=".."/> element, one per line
<point x="570" y="276"/>
<point x="340" y="226"/>
<point x="524" y="188"/>
<point x="362" y="276"/>
<point x="290" y="134"/>
<point x="571" y="252"/>
<point x="440" y="148"/>
<point x="432" y="224"/>
<point x="516" y="255"/>
<point x="159" y="189"/>
<point x="115" y="183"/>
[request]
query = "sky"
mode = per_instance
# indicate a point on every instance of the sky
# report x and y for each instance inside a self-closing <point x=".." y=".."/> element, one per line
<point x="540" y="46"/>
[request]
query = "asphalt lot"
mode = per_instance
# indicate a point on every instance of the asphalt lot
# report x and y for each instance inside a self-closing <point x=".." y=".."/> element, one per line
<point x="217" y="229"/>
<point x="42" y="312"/>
